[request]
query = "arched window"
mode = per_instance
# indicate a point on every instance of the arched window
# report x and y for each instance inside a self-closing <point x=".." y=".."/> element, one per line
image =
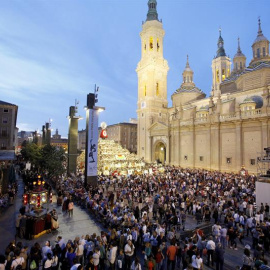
<point x="241" y="65"/>
<point x="157" y="45"/>
<point x="263" y="51"/>
<point x="145" y="90"/>
<point x="151" y="43"/>
<point x="217" y="76"/>
<point x="258" y="53"/>
<point x="236" y="65"/>
<point x="223" y="74"/>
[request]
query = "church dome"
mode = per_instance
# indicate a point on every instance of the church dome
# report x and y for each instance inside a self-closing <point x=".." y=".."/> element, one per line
<point x="257" y="100"/>
<point x="220" y="43"/>
<point x="248" y="100"/>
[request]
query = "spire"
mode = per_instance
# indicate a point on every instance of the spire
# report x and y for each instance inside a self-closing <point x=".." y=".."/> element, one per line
<point x="260" y="36"/>
<point x="239" y="52"/>
<point x="239" y="49"/>
<point x="259" y="29"/>
<point x="152" y="14"/>
<point x="220" y="43"/>
<point x="187" y="64"/>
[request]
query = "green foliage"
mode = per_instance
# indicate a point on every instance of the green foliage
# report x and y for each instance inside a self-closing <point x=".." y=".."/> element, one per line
<point x="52" y="160"/>
<point x="47" y="158"/>
<point x="31" y="152"/>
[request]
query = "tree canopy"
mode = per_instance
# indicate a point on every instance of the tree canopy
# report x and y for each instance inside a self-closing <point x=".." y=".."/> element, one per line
<point x="48" y="158"/>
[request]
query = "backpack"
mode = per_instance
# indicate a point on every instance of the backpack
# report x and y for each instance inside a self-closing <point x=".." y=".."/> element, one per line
<point x="33" y="265"/>
<point x="18" y="267"/>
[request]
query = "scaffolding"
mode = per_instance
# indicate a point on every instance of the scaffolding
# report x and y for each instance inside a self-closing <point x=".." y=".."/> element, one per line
<point x="263" y="165"/>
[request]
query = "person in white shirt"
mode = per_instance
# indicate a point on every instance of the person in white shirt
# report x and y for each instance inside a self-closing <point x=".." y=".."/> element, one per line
<point x="48" y="262"/>
<point x="216" y="229"/>
<point x="96" y="257"/>
<point x="75" y="265"/>
<point x="79" y="252"/>
<point x="197" y="262"/>
<point x="210" y="246"/>
<point x="18" y="261"/>
<point x="112" y="256"/>
<point x="129" y="251"/>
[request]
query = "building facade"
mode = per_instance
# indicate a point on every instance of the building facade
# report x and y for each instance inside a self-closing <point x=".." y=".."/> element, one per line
<point x="8" y="130"/>
<point x="124" y="134"/>
<point x="222" y="132"/>
<point x="58" y="141"/>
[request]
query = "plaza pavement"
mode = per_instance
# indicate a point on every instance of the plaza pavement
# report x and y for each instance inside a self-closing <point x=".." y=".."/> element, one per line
<point x="81" y="224"/>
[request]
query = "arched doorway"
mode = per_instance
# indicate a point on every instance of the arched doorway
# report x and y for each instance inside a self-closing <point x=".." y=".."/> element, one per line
<point x="160" y="153"/>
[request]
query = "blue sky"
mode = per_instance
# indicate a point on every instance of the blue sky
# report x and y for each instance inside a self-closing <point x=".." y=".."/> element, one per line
<point x="54" y="51"/>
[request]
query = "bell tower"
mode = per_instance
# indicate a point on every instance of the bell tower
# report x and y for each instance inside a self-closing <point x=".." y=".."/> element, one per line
<point x="152" y="80"/>
<point x="221" y="67"/>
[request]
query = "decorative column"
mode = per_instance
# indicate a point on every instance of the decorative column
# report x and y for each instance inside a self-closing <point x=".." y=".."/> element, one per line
<point x="72" y="140"/>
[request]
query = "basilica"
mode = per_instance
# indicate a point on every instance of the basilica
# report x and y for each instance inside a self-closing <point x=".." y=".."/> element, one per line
<point x="222" y="132"/>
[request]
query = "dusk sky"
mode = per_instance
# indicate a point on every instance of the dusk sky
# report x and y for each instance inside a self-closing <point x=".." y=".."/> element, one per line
<point x="54" y="51"/>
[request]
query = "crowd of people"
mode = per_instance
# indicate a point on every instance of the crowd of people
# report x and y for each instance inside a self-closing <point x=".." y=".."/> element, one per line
<point x="145" y="221"/>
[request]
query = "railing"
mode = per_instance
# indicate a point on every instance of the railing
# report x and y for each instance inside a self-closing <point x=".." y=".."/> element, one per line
<point x="251" y="112"/>
<point x="227" y="116"/>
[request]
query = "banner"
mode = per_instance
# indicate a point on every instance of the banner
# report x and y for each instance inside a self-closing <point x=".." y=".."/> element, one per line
<point x="92" y="150"/>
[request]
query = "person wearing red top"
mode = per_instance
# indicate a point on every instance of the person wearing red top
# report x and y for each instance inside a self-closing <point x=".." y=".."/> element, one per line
<point x="171" y="253"/>
<point x="159" y="259"/>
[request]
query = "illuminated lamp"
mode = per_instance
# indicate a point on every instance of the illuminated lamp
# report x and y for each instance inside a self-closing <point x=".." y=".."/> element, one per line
<point x="34" y="183"/>
<point x="43" y="182"/>
<point x="38" y="201"/>
<point x="51" y="197"/>
<point x="39" y="182"/>
<point x="25" y="199"/>
<point x="39" y="176"/>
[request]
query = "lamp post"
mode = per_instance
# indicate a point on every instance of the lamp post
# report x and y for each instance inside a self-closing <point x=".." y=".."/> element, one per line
<point x="91" y="147"/>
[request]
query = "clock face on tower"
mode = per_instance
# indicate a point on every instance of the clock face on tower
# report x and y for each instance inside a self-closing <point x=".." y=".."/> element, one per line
<point x="143" y="104"/>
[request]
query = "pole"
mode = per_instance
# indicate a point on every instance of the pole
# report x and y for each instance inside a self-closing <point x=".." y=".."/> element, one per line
<point x="91" y="144"/>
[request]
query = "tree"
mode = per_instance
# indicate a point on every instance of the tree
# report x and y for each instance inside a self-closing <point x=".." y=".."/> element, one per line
<point x="47" y="159"/>
<point x="52" y="160"/>
<point x="32" y="153"/>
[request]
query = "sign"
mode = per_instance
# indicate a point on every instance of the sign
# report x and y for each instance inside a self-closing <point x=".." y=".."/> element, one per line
<point x="103" y="134"/>
<point x="92" y="150"/>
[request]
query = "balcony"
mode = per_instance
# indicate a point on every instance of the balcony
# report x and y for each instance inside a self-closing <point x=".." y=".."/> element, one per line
<point x="251" y="113"/>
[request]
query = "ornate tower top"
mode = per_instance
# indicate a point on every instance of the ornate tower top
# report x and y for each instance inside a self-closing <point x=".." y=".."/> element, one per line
<point x="260" y="36"/>
<point x="220" y="43"/>
<point x="239" y="52"/>
<point x="152" y="14"/>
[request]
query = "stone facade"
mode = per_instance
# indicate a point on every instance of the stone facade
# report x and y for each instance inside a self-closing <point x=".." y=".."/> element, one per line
<point x="222" y="132"/>
<point x="8" y="131"/>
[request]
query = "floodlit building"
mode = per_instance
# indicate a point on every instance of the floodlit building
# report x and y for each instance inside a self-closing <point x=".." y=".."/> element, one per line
<point x="8" y="130"/>
<point x="220" y="132"/>
<point x="123" y="133"/>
